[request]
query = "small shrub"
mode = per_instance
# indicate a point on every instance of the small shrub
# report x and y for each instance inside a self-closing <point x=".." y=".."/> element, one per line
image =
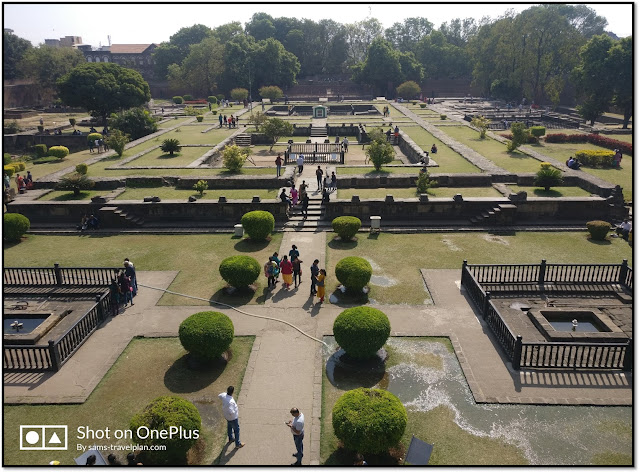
<point x="595" y="158"/>
<point x="19" y="166"/>
<point x="72" y="122"/>
<point x="187" y="97"/>
<point x="369" y="421"/>
<point x="233" y="157"/>
<point x="201" y="186"/>
<point x="206" y="335"/>
<point x="9" y="170"/>
<point x="199" y="118"/>
<point x="346" y="227"/>
<point x="75" y="182"/>
<point x="170" y="145"/>
<point x="258" y="224"/>
<point x="82" y="168"/>
<point x="443" y="116"/>
<point x="117" y="141"/>
<point x="40" y="128"/>
<point x="12" y="127"/>
<point x="92" y="137"/>
<point x="598" y="229"/>
<point x="353" y="272"/>
<point x="212" y="99"/>
<point x="40" y="150"/>
<point x="60" y="152"/>
<point x="482" y="124"/>
<point x="191" y="111"/>
<point x="167" y="413"/>
<point x="220" y="97"/>
<point x="361" y="331"/>
<point x="424" y="182"/>
<point x="239" y="93"/>
<point x="548" y="176"/>
<point x="6" y="159"/>
<point x="240" y="270"/>
<point x="14" y="226"/>
<point x="520" y="135"/>
<point x="423" y="105"/>
<point x="537" y="131"/>
<point x="214" y="112"/>
<point x="46" y="159"/>
<point x="177" y="100"/>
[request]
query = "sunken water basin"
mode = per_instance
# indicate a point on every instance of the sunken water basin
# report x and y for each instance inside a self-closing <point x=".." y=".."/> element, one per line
<point x="425" y="375"/>
<point x="556" y="324"/>
<point x="34" y="326"/>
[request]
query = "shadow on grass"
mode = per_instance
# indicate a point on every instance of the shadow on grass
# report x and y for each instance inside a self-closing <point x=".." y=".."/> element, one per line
<point x="344" y="457"/>
<point x="238" y="297"/>
<point x="185" y="377"/>
<point x="72" y="196"/>
<point x="373" y="235"/>
<point x="247" y="245"/>
<point x="599" y="242"/>
<point x="168" y="156"/>
<point x="502" y="232"/>
<point x="549" y="193"/>
<point x="347" y="299"/>
<point x="338" y="244"/>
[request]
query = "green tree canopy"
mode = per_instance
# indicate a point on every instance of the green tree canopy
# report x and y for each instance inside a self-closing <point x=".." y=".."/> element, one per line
<point x="271" y="92"/>
<point x="404" y="36"/>
<point x="46" y="64"/>
<point x="408" y="90"/>
<point x="200" y="71"/>
<point x="177" y="48"/>
<point x="274" y="128"/>
<point x="103" y="88"/>
<point x="13" y="50"/>
<point x="620" y="61"/>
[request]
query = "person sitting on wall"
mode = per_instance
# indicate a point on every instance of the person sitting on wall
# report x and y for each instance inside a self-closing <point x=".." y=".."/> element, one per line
<point x="573" y="163"/>
<point x="93" y="222"/>
<point x="285" y="198"/>
<point x="93" y="130"/>
<point x="623" y="229"/>
<point x="434" y="148"/>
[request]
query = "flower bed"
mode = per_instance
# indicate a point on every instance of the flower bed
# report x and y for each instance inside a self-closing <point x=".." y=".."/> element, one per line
<point x="598" y="140"/>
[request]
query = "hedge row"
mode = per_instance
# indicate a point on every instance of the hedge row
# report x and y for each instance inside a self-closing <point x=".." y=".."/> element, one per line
<point x="595" y="158"/>
<point x="530" y="138"/>
<point x="594" y="139"/>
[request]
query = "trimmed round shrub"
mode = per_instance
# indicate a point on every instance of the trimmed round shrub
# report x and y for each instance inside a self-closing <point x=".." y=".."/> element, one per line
<point x="443" y="116"/>
<point x="220" y="97"/>
<point x="82" y="168"/>
<point x="14" y="226"/>
<point x="240" y="270"/>
<point x="598" y="229"/>
<point x="346" y="227"/>
<point x="214" y="112"/>
<point x="167" y="413"/>
<point x="537" y="131"/>
<point x="92" y="137"/>
<point x="40" y="150"/>
<point x="361" y="331"/>
<point x="59" y="152"/>
<point x="353" y="272"/>
<point x="177" y="100"/>
<point x="206" y="335"/>
<point x="423" y="105"/>
<point x="19" y="166"/>
<point x="6" y="159"/>
<point x="199" y="118"/>
<point x="369" y="421"/>
<point x="258" y="224"/>
<point x="187" y="97"/>
<point x="9" y="170"/>
<point x="212" y="99"/>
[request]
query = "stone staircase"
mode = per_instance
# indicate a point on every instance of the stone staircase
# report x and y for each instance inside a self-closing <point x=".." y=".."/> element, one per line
<point x="502" y="214"/>
<point x="314" y="220"/>
<point x="319" y="132"/>
<point x="115" y="217"/>
<point x="243" y="140"/>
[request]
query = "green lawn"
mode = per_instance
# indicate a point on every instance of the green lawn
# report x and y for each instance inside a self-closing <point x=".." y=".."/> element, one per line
<point x="197" y="257"/>
<point x="493" y="150"/>
<point x="157" y="157"/>
<point x="406" y="193"/>
<point x="66" y="195"/>
<point x="627" y="137"/>
<point x="448" y="160"/>
<point x="622" y="176"/>
<point x="192" y="134"/>
<point x="437" y="426"/>
<point x="401" y="256"/>
<point x="167" y="193"/>
<point x="370" y="171"/>
<point x="560" y="191"/>
<point x="147" y="368"/>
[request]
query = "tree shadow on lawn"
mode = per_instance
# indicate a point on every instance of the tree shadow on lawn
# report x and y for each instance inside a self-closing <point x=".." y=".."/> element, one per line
<point x="344" y="457"/>
<point x="185" y="377"/>
<point x="168" y="156"/>
<point x="549" y="193"/>
<point x="518" y="155"/>
<point x="604" y="242"/>
<point x="71" y="196"/>
<point x="238" y="297"/>
<point x="338" y="244"/>
<point x="348" y="299"/>
<point x="247" y="245"/>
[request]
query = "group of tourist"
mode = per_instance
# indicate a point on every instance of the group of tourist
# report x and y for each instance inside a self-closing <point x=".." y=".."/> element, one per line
<point x="573" y="163"/>
<point x="100" y="145"/>
<point x="290" y="268"/>
<point x="230" y="121"/>
<point x="123" y="287"/>
<point x="230" y="413"/>
<point x="624" y="229"/>
<point x="296" y="197"/>
<point x="89" y="222"/>
<point x="23" y="183"/>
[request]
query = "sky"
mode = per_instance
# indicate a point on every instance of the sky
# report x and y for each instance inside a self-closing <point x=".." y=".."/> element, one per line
<point x="139" y="23"/>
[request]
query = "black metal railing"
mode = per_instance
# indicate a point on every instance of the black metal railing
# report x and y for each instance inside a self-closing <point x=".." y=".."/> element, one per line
<point x="330" y="153"/>
<point x="573" y="355"/>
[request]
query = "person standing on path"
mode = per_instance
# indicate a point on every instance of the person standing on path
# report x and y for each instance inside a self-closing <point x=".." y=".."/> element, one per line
<point x="293" y="252"/>
<point x="321" y="277"/>
<point x="278" y="165"/>
<point x="131" y="274"/>
<point x="334" y="181"/>
<point x="297" y="429"/>
<point x="269" y="272"/>
<point x="230" y="412"/>
<point x="345" y="143"/>
<point x="297" y="271"/>
<point x="305" y="205"/>
<point x="319" y="178"/>
<point x="314" y="276"/>
<point x="300" y="162"/>
<point x="286" y="268"/>
<point x="303" y="189"/>
<point x="220" y="120"/>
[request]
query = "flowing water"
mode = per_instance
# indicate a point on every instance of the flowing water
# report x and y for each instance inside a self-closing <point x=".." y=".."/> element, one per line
<point x="547" y="435"/>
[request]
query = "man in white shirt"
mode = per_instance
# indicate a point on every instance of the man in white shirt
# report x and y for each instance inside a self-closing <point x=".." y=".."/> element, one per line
<point x="300" y="162"/>
<point x="230" y="412"/>
<point x="297" y="429"/>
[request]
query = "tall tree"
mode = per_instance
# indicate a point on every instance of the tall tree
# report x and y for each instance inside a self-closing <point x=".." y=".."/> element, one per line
<point x="103" y="88"/>
<point x="228" y="31"/>
<point x="458" y="32"/>
<point x="13" y="50"/>
<point x="261" y="26"/>
<point x="47" y="64"/>
<point x="177" y="49"/>
<point x="381" y="68"/>
<point x="189" y="35"/>
<point x="581" y="17"/>
<point x="620" y="64"/>
<point x="277" y="65"/>
<point x="359" y="37"/>
<point x="404" y="36"/>
<point x="200" y="71"/>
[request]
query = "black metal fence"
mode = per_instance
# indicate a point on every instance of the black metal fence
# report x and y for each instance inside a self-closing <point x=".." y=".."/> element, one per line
<point x="329" y="153"/>
<point x="582" y="355"/>
<point x="55" y="354"/>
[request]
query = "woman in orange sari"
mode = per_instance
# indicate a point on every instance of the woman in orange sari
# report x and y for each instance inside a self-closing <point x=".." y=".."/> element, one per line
<point x="321" y="277"/>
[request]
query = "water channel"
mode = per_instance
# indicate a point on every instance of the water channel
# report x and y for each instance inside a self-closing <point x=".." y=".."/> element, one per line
<point x="547" y="435"/>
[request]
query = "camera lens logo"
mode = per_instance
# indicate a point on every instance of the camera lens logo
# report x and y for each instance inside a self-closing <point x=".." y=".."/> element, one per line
<point x="43" y="437"/>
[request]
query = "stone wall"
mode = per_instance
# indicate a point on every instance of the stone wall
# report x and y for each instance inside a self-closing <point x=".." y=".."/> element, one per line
<point x="25" y="142"/>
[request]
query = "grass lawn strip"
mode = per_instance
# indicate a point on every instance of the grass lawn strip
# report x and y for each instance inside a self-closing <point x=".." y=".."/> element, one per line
<point x="147" y="368"/>
<point x="168" y="193"/>
<point x="197" y="257"/>
<point x="559" y="191"/>
<point x="448" y="160"/>
<point x="63" y="196"/>
<point x="407" y="193"/>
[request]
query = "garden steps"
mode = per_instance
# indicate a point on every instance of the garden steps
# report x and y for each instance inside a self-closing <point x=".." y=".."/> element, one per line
<point x="318" y="131"/>
<point x="116" y="217"/>
<point x="243" y="140"/>
<point x="500" y="215"/>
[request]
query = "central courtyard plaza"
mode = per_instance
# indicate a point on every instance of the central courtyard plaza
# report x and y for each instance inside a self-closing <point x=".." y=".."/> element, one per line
<point x="445" y="365"/>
